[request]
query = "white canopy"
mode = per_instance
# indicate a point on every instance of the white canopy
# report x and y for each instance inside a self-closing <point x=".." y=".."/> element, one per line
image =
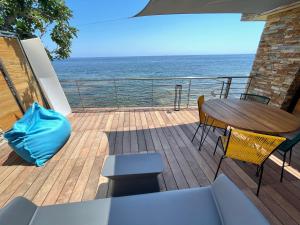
<point x="164" y="7"/>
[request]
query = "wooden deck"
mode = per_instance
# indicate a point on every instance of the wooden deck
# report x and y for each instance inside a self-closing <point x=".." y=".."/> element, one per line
<point x="74" y="173"/>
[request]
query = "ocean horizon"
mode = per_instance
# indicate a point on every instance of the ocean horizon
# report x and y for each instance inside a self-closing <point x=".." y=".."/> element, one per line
<point x="166" y="55"/>
<point x="153" y="66"/>
<point x="129" y="93"/>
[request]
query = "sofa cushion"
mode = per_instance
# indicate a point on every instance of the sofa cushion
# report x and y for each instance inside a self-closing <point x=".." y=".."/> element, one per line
<point x="190" y="206"/>
<point x="234" y="207"/>
<point x="95" y="212"/>
<point x="18" y="212"/>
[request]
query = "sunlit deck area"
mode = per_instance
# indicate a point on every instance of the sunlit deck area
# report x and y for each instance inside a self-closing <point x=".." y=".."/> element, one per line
<point x="74" y="173"/>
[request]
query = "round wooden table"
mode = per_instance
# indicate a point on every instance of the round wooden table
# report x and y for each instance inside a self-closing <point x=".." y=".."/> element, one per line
<point x="251" y="116"/>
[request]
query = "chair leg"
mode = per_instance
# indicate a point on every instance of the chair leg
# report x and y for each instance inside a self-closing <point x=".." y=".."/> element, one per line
<point x="257" y="171"/>
<point x="282" y="168"/>
<point x="260" y="178"/>
<point x="216" y="145"/>
<point x="204" y="135"/>
<point x="290" y="157"/>
<point x="219" y="167"/>
<point x="196" y="132"/>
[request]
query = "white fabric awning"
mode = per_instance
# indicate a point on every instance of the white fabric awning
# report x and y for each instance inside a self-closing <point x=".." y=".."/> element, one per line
<point x="164" y="7"/>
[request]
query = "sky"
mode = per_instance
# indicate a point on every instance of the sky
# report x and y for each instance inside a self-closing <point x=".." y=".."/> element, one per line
<point x="106" y="29"/>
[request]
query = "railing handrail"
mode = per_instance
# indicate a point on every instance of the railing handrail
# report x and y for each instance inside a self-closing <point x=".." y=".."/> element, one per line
<point x="158" y="78"/>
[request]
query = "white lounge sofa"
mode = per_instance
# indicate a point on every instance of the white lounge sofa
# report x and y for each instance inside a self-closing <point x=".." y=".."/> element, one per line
<point x="222" y="203"/>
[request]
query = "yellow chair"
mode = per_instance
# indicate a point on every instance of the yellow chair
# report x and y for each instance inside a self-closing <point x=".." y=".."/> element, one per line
<point x="248" y="147"/>
<point x="210" y="121"/>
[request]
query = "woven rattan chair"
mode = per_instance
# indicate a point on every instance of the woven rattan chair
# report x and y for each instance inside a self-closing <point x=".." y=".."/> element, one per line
<point x="211" y="122"/>
<point x="248" y="147"/>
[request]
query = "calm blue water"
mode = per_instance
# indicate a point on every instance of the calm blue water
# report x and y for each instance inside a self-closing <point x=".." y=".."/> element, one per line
<point x="154" y="66"/>
<point x="148" y="93"/>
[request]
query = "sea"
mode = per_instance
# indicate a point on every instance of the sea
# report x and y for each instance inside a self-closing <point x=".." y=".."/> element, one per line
<point x="145" y="81"/>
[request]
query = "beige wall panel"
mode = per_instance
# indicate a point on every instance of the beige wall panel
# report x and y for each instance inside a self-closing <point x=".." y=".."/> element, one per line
<point x="9" y="109"/>
<point x="17" y="66"/>
<point x="19" y="71"/>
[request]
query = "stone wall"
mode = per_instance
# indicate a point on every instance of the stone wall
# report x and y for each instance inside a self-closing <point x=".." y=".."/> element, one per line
<point x="276" y="69"/>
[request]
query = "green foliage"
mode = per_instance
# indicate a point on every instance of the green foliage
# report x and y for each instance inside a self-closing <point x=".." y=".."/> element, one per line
<point x="30" y="18"/>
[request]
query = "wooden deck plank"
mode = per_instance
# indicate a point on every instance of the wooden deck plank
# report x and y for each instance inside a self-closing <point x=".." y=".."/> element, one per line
<point x="290" y="191"/>
<point x="119" y="135"/>
<point x="36" y="185"/>
<point x="140" y="133"/>
<point x="80" y="185"/>
<point x="126" y="133"/>
<point x="134" y="147"/>
<point x="103" y="184"/>
<point x="277" y="211"/>
<point x="102" y="148"/>
<point x="260" y="205"/>
<point x="49" y="182"/>
<point x="11" y="178"/>
<point x="147" y="134"/>
<point x="92" y="183"/>
<point x="26" y="184"/>
<point x="284" y="203"/>
<point x="181" y="140"/>
<point x="68" y="188"/>
<point x="203" y="163"/>
<point x="74" y="173"/>
<point x="182" y="162"/>
<point x="168" y="176"/>
<point x="175" y="168"/>
<point x="113" y="133"/>
<point x="56" y="188"/>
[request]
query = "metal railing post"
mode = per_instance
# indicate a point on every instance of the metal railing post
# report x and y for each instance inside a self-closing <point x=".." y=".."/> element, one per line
<point x="189" y="94"/>
<point x="177" y="99"/>
<point x="221" y="93"/>
<point x="116" y="93"/>
<point x="79" y="94"/>
<point x="152" y="94"/>
<point x="227" y="88"/>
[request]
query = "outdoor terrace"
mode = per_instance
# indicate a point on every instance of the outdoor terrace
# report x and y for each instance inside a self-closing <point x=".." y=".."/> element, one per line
<point x="74" y="173"/>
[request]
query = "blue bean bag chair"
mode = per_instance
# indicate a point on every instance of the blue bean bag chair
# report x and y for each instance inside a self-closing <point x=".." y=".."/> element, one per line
<point x="39" y="134"/>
